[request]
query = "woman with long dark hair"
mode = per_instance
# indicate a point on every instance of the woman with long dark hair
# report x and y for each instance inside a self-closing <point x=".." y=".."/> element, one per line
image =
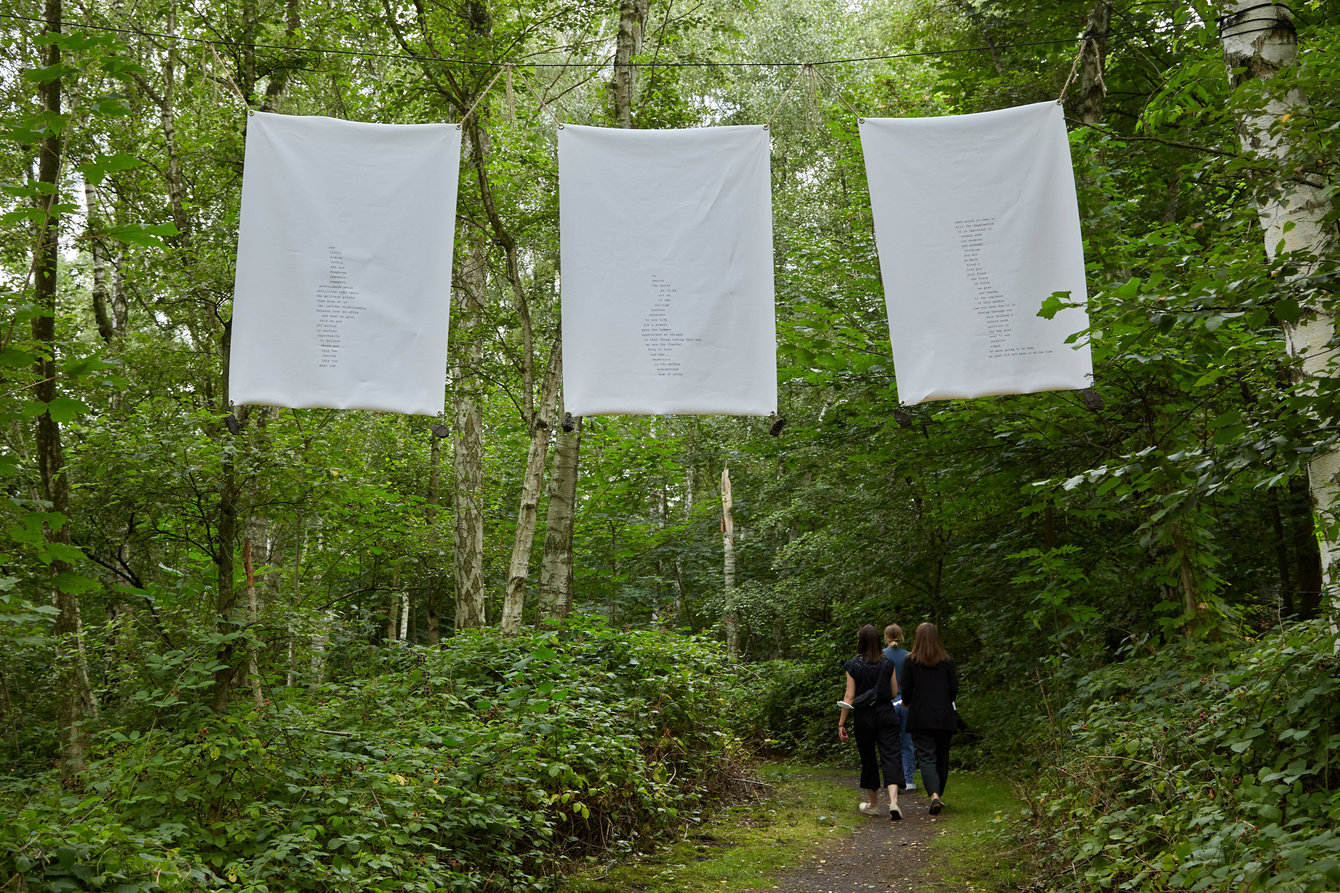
<point x="930" y="687"/>
<point x="877" y="723"/>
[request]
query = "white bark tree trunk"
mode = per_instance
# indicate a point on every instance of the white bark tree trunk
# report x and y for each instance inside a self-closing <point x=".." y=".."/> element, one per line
<point x="556" y="574"/>
<point x="1092" y="61"/>
<point x="632" y="18"/>
<point x="729" y="620"/>
<point x="518" y="571"/>
<point x="253" y="620"/>
<point x="1259" y="42"/>
<point x="433" y="598"/>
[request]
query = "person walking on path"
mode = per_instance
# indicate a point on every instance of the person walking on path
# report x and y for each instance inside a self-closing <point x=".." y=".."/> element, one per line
<point x="894" y="651"/>
<point x="876" y="725"/>
<point x="930" y="687"/>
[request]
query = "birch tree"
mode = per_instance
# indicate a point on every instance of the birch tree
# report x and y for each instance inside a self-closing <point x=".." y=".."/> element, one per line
<point x="729" y="619"/>
<point x="1260" y="43"/>
<point x="556" y="577"/>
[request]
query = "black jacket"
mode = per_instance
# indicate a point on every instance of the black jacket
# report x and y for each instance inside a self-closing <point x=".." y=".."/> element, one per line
<point x="929" y="693"/>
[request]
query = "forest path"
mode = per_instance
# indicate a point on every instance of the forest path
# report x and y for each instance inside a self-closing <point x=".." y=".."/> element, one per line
<point x="804" y="834"/>
<point x="880" y="855"/>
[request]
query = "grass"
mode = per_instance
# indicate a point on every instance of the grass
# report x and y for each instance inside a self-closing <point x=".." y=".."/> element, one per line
<point x="744" y="847"/>
<point x="976" y="851"/>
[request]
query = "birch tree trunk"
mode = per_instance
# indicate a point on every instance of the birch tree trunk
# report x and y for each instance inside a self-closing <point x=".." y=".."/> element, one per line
<point x="729" y="620"/>
<point x="75" y="701"/>
<point x="253" y="619"/>
<point x="103" y="314"/>
<point x="433" y="598"/>
<point x="518" y="571"/>
<point x="1093" y="58"/>
<point x="538" y="416"/>
<point x="1259" y="42"/>
<point x="632" y="18"/>
<point x="556" y="574"/>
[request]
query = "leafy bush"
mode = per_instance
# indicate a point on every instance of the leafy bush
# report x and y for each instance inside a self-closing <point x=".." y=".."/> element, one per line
<point x="787" y="707"/>
<point x="1208" y="767"/>
<point x="479" y="766"/>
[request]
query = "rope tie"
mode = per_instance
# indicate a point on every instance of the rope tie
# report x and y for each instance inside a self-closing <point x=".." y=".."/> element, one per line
<point x="804" y="68"/>
<point x="838" y="93"/>
<point x="480" y="97"/>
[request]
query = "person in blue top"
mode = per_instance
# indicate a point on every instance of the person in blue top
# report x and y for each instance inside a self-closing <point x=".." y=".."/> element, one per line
<point x="894" y="651"/>
<point x="876" y="725"/>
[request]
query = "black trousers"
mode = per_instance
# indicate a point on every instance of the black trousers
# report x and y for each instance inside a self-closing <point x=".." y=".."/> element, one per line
<point x="932" y="747"/>
<point x="879" y="735"/>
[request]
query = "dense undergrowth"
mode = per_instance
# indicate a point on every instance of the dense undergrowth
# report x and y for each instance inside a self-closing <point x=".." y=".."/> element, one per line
<point x="1206" y="764"/>
<point x="1212" y="766"/>
<point x="484" y="765"/>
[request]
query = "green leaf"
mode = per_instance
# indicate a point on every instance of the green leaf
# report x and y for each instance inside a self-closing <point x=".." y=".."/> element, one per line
<point x="1288" y="311"/>
<point x="15" y="358"/>
<point x="64" y="409"/>
<point x="100" y="168"/>
<point x="61" y="552"/>
<point x="76" y="584"/>
<point x="1054" y="304"/>
<point x="143" y="234"/>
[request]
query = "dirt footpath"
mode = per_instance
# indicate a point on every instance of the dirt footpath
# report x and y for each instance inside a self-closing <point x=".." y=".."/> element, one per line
<point x="881" y="855"/>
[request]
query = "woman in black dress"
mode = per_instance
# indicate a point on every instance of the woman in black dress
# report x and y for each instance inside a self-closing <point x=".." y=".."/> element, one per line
<point x="876" y="726"/>
<point x="930" y="687"/>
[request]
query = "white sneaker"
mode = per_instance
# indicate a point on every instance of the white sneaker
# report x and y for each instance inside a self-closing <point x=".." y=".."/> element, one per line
<point x="867" y="808"/>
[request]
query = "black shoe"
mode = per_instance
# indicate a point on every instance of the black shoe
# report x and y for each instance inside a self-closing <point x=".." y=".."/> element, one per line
<point x="895" y="814"/>
<point x="936" y="806"/>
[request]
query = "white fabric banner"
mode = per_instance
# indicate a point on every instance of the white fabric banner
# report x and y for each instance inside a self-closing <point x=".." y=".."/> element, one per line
<point x="667" y="281"/>
<point x="344" y="264"/>
<point x="976" y="224"/>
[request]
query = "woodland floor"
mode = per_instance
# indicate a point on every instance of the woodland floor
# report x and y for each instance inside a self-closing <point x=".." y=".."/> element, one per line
<point x="804" y="834"/>
<point x="880" y="855"/>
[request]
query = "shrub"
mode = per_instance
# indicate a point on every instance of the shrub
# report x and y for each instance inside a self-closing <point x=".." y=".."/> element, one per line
<point x="1203" y="767"/>
<point x="479" y="766"/>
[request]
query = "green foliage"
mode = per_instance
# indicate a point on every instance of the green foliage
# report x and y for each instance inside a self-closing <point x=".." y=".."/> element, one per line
<point x="787" y="706"/>
<point x="1207" y="767"/>
<point x="481" y="766"/>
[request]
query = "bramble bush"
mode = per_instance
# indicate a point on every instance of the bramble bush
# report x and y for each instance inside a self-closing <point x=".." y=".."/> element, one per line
<point x="1210" y="766"/>
<point x="483" y="765"/>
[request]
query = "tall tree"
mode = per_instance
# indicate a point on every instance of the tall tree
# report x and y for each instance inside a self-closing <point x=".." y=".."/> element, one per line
<point x="75" y="701"/>
<point x="1261" y="44"/>
<point x="730" y="618"/>
<point x="468" y="431"/>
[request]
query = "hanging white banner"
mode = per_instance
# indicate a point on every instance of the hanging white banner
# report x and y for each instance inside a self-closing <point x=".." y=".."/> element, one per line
<point x="667" y="281"/>
<point x="977" y="224"/>
<point x="344" y="249"/>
